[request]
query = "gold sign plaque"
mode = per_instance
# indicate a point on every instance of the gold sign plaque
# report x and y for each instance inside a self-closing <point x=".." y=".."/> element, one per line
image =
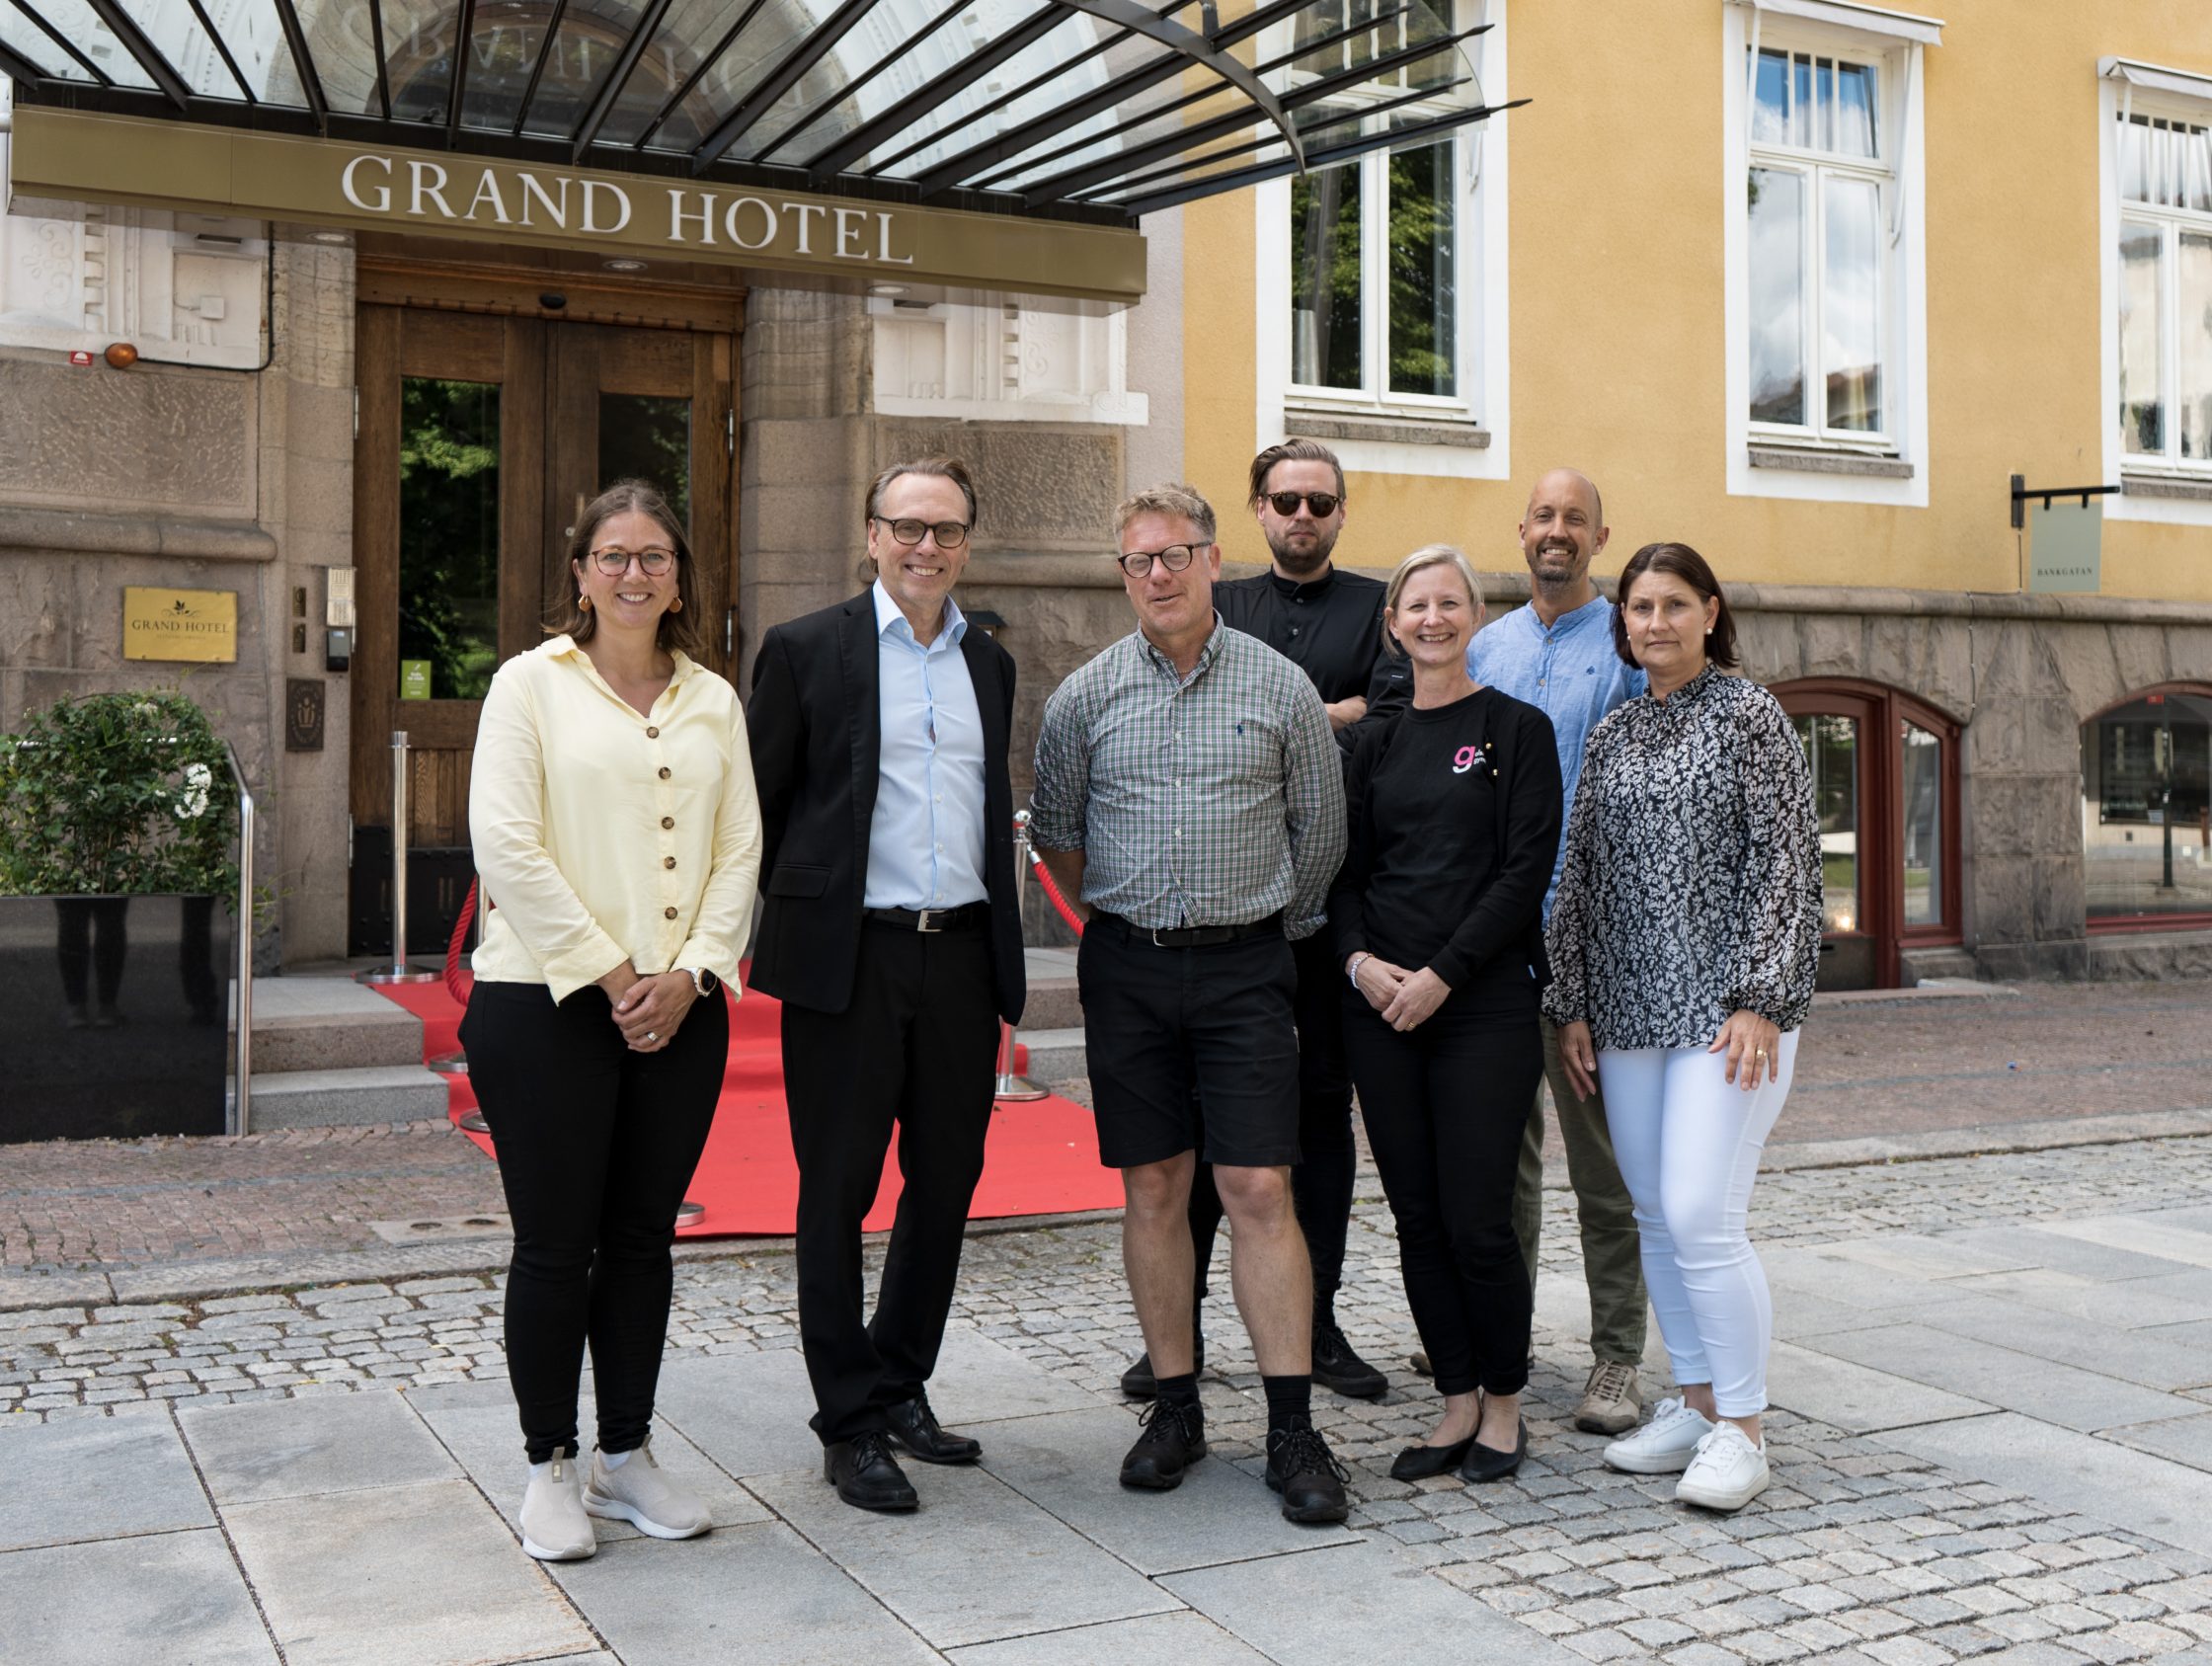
<point x="73" y="155"/>
<point x="199" y="625"/>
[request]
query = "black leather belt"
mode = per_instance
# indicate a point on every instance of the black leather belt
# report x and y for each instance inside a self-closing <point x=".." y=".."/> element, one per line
<point x="1190" y="936"/>
<point x="929" y="920"/>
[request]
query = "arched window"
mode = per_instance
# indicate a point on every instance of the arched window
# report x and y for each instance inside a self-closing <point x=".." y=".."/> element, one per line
<point x="1885" y="778"/>
<point x="2147" y="810"/>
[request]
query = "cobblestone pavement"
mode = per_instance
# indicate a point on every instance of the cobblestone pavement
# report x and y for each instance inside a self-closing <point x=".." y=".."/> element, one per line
<point x="1862" y="1551"/>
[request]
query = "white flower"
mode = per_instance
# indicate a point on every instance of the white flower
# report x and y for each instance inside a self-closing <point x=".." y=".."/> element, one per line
<point x="191" y="801"/>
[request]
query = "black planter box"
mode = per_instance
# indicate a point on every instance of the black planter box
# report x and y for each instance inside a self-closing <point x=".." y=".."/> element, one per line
<point x="114" y="1016"/>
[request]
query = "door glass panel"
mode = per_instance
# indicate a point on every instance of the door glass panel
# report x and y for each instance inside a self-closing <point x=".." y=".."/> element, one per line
<point x="642" y="438"/>
<point x="1924" y="827"/>
<point x="448" y="538"/>
<point x="1832" y="755"/>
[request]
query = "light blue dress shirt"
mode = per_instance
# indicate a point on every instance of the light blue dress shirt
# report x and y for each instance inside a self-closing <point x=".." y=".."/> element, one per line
<point x="925" y="841"/>
<point x="1570" y="672"/>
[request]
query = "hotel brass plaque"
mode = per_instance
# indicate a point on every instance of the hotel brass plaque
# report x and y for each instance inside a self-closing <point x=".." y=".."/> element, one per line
<point x="77" y="155"/>
<point x="199" y="625"/>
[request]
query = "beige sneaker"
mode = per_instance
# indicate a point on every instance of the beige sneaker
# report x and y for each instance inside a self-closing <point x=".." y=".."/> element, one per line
<point x="641" y="1493"/>
<point x="555" y="1528"/>
<point x="1612" y="1401"/>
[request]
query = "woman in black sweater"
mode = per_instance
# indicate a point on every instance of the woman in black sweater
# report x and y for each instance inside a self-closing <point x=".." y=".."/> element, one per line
<point x="1455" y="821"/>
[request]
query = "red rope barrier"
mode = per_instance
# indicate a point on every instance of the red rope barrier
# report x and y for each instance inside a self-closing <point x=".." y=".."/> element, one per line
<point x="460" y="983"/>
<point x="1051" y="891"/>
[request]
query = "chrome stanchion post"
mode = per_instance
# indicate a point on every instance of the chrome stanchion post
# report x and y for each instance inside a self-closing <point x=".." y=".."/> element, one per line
<point x="242" y="1102"/>
<point x="1011" y="1089"/>
<point x="399" y="971"/>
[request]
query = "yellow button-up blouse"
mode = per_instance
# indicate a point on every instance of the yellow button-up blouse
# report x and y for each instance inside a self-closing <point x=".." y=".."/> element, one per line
<point x="603" y="833"/>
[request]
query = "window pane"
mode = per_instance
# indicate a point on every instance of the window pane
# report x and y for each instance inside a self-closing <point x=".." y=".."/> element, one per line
<point x="449" y="535"/>
<point x="1832" y="755"/>
<point x="1851" y="304"/>
<point x="2142" y="345"/>
<point x="1325" y="278"/>
<point x="2147" y="786"/>
<point x="1778" y="296"/>
<point x="1856" y="129"/>
<point x="2193" y="272"/>
<point x="1824" y="114"/>
<point x="2135" y="160"/>
<point x="1924" y="827"/>
<point x="1423" y="292"/>
<point x="1801" y="101"/>
<point x="1770" y="112"/>
<point x="649" y="439"/>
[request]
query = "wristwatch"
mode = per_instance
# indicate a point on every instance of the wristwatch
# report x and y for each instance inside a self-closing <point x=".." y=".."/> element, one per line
<point x="702" y="983"/>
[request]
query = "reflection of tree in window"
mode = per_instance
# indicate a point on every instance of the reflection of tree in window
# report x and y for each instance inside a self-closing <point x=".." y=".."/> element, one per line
<point x="1831" y="746"/>
<point x="649" y="439"/>
<point x="1325" y="278"/>
<point x="1423" y="294"/>
<point x="450" y="532"/>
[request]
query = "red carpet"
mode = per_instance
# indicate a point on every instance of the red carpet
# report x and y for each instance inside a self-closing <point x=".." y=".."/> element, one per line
<point x="1041" y="1159"/>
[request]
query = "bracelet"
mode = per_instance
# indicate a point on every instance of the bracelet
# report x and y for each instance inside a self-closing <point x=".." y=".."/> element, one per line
<point x="1353" y="969"/>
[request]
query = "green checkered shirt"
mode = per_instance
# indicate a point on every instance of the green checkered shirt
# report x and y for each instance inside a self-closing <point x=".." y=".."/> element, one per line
<point x="1213" y="799"/>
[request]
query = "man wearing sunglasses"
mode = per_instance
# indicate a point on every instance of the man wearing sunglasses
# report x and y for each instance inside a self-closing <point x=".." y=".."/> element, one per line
<point x="1329" y="624"/>
<point x="892" y="935"/>
<point x="1188" y="792"/>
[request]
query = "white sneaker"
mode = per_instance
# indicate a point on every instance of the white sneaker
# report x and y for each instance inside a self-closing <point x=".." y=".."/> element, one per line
<point x="641" y="1493"/>
<point x="1727" y="1473"/>
<point x="555" y="1528"/>
<point x="1662" y="1446"/>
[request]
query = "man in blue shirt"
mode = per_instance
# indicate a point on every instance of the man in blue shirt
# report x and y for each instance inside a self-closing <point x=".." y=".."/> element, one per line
<point x="1557" y="654"/>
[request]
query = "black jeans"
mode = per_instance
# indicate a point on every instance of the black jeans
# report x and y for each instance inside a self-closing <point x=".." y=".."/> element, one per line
<point x="1329" y="1161"/>
<point x="917" y="1046"/>
<point x="596" y="1146"/>
<point x="1444" y="1103"/>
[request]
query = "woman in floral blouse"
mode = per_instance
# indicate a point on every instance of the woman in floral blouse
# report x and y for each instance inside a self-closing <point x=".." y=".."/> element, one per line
<point x="1683" y="945"/>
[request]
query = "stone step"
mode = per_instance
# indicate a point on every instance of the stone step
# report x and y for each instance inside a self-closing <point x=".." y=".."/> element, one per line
<point x="327" y="1098"/>
<point x="1055" y="1055"/>
<point x="319" y="1024"/>
<point x="1051" y="1005"/>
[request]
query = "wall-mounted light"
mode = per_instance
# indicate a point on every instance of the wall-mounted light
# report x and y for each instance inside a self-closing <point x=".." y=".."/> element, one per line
<point x="984" y="620"/>
<point x="120" y="355"/>
<point x="887" y="288"/>
<point x="624" y="264"/>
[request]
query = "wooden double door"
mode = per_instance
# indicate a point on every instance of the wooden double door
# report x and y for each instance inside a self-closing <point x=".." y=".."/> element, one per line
<point x="480" y="438"/>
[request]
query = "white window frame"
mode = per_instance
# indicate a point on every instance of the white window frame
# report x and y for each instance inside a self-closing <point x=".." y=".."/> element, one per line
<point x="1479" y="167"/>
<point x="1894" y="43"/>
<point x="2126" y="87"/>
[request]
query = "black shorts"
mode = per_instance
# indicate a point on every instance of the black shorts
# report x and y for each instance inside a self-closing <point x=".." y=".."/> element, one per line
<point x="1158" y="1023"/>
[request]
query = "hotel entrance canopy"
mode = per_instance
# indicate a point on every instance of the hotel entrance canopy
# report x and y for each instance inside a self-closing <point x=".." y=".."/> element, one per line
<point x="817" y="134"/>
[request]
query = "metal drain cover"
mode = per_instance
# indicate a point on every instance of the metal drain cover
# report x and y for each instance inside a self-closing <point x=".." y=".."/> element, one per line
<point x="449" y="1230"/>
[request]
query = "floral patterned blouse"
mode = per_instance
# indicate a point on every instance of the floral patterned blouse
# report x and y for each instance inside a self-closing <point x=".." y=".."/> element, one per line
<point x="1692" y="886"/>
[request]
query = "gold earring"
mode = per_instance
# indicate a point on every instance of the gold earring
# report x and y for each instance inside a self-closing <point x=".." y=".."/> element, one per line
<point x="583" y="603"/>
<point x="676" y="606"/>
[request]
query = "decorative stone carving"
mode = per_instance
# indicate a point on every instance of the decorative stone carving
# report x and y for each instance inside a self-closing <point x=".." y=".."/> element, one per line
<point x="100" y="440"/>
<point x="989" y="358"/>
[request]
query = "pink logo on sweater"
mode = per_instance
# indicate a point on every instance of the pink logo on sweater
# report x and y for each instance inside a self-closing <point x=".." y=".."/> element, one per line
<point x="1464" y="759"/>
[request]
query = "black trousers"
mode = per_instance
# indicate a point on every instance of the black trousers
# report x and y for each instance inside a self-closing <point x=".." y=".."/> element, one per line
<point x="1445" y="1105"/>
<point x="918" y="1045"/>
<point x="595" y="1144"/>
<point x="1329" y="1161"/>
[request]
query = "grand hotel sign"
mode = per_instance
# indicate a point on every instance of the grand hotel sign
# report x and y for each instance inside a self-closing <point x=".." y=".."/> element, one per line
<point x="78" y="157"/>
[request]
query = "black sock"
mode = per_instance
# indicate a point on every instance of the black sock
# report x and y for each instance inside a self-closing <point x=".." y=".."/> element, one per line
<point x="1290" y="1400"/>
<point x="1179" y="1391"/>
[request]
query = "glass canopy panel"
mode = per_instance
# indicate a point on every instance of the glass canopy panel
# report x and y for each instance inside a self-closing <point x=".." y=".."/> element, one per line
<point x="340" y="44"/>
<point x="77" y="21"/>
<point x="177" y="35"/>
<point x="583" y="53"/>
<point x="27" y="41"/>
<point x="419" y="57"/>
<point x="671" y="60"/>
<point x="504" y="43"/>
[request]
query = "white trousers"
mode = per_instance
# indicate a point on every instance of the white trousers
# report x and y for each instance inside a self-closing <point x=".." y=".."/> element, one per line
<point x="1687" y="1142"/>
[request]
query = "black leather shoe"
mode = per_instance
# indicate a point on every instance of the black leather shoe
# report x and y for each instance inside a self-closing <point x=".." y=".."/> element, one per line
<point x="1419" y="1463"/>
<point x="1488" y="1463"/>
<point x="1300" y="1467"/>
<point x="865" y="1474"/>
<point x="1138" y="1382"/>
<point x="914" y="1426"/>
<point x="1336" y="1366"/>
<point x="1174" y="1439"/>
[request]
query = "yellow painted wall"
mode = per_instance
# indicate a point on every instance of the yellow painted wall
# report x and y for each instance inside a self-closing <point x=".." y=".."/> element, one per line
<point x="1615" y="247"/>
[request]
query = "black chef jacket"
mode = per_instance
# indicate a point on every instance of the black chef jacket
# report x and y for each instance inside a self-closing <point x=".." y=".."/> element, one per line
<point x="1331" y="628"/>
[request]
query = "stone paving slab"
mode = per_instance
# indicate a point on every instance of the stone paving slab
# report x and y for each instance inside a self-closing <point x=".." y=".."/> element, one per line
<point x="1858" y="1397"/>
<point x="1183" y="1639"/>
<point x="2146" y="1237"/>
<point x="2152" y="1358"/>
<point x="2134" y="1304"/>
<point x="297" y="1448"/>
<point x="103" y="1477"/>
<point x="748" y="1412"/>
<point x="162" y="1597"/>
<point x="2186" y="1440"/>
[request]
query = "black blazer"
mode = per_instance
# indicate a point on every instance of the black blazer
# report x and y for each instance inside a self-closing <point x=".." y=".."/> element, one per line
<point x="816" y="757"/>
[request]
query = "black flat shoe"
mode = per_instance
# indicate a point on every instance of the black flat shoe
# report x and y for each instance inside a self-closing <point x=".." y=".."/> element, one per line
<point x="1419" y="1463"/>
<point x="915" y="1427"/>
<point x="1487" y="1463"/>
<point x="865" y="1474"/>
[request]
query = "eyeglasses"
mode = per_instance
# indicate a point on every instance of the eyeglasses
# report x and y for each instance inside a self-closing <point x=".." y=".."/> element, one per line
<point x="1175" y="556"/>
<point x="616" y="562"/>
<point x="1322" y="504"/>
<point x="950" y="535"/>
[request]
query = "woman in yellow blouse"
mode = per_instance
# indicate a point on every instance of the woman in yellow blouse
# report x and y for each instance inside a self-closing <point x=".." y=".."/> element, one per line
<point x="618" y="842"/>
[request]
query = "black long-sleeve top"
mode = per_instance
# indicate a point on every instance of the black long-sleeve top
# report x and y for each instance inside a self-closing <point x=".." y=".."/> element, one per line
<point x="1455" y="823"/>
<point x="1331" y="629"/>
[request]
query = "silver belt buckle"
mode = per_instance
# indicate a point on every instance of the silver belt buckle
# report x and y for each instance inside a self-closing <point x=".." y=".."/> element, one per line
<point x="1154" y="932"/>
<point x="925" y="920"/>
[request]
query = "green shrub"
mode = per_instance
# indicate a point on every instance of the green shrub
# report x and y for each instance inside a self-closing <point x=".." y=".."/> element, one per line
<point x="116" y="795"/>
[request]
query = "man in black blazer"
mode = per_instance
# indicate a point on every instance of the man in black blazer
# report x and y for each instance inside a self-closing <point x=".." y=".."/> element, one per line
<point x="892" y="935"/>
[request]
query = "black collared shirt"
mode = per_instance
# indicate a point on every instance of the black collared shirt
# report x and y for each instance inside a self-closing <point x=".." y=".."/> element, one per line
<point x="1331" y="629"/>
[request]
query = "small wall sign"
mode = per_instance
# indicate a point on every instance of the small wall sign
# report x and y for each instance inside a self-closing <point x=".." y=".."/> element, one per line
<point x="414" y="679"/>
<point x="2064" y="545"/>
<point x="199" y="626"/>
<point x="303" y="713"/>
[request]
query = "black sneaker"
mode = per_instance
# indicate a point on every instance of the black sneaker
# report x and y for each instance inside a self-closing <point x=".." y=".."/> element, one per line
<point x="1300" y="1467"/>
<point x="1337" y="1367"/>
<point x="1174" y="1439"/>
<point x="1138" y="1382"/>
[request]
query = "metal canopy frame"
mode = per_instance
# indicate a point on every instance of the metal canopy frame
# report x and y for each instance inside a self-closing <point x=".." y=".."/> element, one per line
<point x="1083" y="135"/>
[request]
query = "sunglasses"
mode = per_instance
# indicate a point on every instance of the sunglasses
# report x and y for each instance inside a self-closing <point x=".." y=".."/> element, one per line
<point x="1322" y="504"/>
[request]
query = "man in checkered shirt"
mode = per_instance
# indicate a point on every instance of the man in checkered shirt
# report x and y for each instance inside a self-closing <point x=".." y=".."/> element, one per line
<point x="1189" y="792"/>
